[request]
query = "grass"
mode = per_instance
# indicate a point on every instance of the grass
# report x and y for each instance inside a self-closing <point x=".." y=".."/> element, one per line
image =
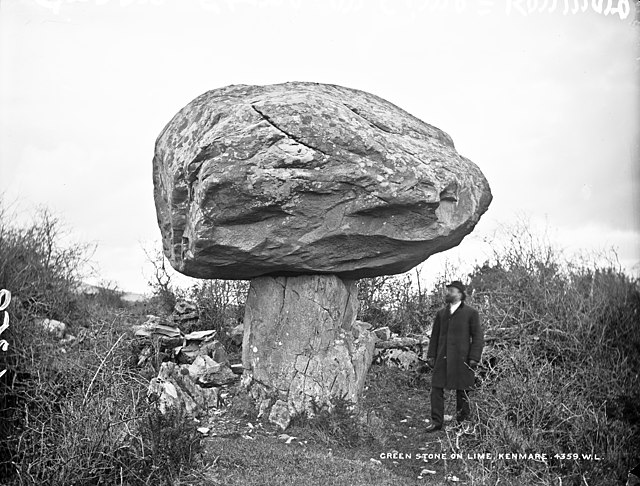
<point x="337" y="448"/>
<point x="268" y="461"/>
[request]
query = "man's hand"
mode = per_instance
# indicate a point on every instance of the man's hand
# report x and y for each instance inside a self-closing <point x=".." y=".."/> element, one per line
<point x="431" y="362"/>
<point x="473" y="364"/>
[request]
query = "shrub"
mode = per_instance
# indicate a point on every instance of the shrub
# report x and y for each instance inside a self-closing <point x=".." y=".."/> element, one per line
<point x="165" y="294"/>
<point x="393" y="301"/>
<point x="221" y="304"/>
<point x="563" y="342"/>
<point x="40" y="272"/>
<point x="75" y="414"/>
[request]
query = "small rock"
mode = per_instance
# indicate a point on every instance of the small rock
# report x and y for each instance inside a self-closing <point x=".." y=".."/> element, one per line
<point x="287" y="438"/>
<point x="183" y="307"/>
<point x="173" y="388"/>
<point x="280" y="414"/>
<point x="359" y="327"/>
<point x="68" y="339"/>
<point x="164" y="393"/>
<point x="186" y="354"/>
<point x="383" y="333"/>
<point x="193" y="316"/>
<point x="156" y="326"/>
<point x="398" y="358"/>
<point x="207" y="373"/>
<point x="401" y="342"/>
<point x="237" y="334"/>
<point x="197" y="347"/>
<point x="215" y="350"/>
<point x="57" y="328"/>
<point x="199" y="335"/>
<point x="362" y="324"/>
<point x="237" y="368"/>
<point x="264" y="406"/>
<point x="425" y="471"/>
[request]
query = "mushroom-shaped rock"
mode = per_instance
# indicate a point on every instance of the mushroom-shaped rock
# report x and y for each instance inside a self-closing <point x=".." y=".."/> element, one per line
<point x="299" y="178"/>
<point x="303" y="188"/>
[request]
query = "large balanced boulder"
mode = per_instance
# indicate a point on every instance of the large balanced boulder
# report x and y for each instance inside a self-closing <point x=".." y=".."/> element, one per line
<point x="302" y="178"/>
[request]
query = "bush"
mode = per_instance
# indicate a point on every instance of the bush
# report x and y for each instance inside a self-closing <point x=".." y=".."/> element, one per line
<point x="220" y="302"/>
<point x="393" y="301"/>
<point x="560" y="363"/>
<point x="165" y="295"/>
<point x="75" y="414"/>
<point x="41" y="273"/>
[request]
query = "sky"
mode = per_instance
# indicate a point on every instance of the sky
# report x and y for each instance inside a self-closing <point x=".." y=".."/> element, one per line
<point x="544" y="101"/>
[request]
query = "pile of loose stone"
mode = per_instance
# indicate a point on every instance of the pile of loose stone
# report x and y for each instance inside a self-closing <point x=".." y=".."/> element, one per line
<point x="195" y="366"/>
<point x="406" y="353"/>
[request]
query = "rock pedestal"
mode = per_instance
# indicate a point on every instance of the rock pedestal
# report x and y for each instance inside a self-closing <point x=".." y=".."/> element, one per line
<point x="302" y="341"/>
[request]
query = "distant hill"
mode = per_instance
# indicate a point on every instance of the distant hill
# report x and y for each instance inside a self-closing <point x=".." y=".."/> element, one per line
<point x="90" y="289"/>
<point x="134" y="297"/>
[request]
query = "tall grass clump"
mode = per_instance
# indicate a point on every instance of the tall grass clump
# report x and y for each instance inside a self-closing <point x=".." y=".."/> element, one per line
<point x="338" y="424"/>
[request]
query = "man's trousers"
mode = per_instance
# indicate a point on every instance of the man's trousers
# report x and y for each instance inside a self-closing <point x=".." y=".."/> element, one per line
<point x="437" y="405"/>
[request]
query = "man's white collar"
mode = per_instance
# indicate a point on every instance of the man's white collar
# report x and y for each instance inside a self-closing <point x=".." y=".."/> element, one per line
<point x="455" y="306"/>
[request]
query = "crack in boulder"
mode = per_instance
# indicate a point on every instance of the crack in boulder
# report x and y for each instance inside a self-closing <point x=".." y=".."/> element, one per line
<point x="288" y="134"/>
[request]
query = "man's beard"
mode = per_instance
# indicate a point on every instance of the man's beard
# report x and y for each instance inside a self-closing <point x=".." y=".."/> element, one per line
<point x="448" y="299"/>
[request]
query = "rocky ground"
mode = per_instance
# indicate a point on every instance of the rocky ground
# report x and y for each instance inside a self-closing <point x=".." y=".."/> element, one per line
<point x="237" y="442"/>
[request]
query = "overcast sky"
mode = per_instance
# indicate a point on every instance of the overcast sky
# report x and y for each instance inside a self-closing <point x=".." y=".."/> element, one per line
<point x="545" y="103"/>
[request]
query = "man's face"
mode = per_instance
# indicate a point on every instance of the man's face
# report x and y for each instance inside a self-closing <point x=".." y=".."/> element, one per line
<point x="453" y="295"/>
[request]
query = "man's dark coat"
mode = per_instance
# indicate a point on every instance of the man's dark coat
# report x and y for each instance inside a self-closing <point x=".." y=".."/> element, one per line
<point x="455" y="339"/>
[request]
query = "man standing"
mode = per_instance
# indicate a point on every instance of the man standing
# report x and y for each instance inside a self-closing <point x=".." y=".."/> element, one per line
<point x="455" y="349"/>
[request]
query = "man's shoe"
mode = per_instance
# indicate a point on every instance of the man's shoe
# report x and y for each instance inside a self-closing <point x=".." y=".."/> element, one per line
<point x="433" y="427"/>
